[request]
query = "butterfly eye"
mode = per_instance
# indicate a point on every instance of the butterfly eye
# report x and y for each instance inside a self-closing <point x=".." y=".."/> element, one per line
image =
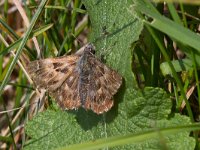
<point x="90" y="48"/>
<point x="92" y="51"/>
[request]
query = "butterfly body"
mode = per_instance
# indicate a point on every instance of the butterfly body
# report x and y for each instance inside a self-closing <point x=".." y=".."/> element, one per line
<point x="78" y="80"/>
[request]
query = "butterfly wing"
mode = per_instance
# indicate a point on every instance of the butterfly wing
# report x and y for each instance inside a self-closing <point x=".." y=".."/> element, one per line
<point x="63" y="79"/>
<point x="67" y="95"/>
<point x="59" y="77"/>
<point x="104" y="83"/>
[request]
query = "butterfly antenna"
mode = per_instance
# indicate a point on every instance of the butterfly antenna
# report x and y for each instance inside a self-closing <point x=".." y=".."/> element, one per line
<point x="78" y="40"/>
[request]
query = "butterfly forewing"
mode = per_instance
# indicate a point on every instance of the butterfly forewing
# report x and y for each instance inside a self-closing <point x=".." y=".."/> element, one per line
<point x="104" y="83"/>
<point x="67" y="94"/>
<point x="59" y="77"/>
<point x="50" y="73"/>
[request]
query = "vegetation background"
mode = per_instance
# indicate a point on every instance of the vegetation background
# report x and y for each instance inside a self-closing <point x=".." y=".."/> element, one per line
<point x="154" y="45"/>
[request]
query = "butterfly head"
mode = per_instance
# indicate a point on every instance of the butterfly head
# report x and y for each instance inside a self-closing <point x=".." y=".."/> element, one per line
<point x="90" y="49"/>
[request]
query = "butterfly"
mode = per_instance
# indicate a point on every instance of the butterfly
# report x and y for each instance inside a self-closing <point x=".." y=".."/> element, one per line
<point x="77" y="80"/>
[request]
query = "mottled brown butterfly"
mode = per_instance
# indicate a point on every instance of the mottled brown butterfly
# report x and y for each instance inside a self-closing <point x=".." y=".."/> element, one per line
<point x="78" y="80"/>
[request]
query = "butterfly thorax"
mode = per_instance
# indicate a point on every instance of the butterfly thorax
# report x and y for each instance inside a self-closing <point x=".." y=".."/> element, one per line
<point x="84" y="69"/>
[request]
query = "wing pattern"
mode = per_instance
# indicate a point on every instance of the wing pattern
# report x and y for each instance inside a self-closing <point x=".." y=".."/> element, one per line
<point x="77" y="80"/>
<point x="59" y="77"/>
<point x="103" y="84"/>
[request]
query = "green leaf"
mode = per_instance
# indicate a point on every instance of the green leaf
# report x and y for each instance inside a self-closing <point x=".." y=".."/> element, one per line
<point x="167" y="26"/>
<point x="114" y="29"/>
<point x="119" y="140"/>
<point x="179" y="65"/>
<point x="50" y="129"/>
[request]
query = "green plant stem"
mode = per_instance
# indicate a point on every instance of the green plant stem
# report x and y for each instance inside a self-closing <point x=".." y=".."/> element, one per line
<point x="196" y="78"/>
<point x="173" y="13"/>
<point x="163" y="51"/>
<point x="10" y="127"/>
